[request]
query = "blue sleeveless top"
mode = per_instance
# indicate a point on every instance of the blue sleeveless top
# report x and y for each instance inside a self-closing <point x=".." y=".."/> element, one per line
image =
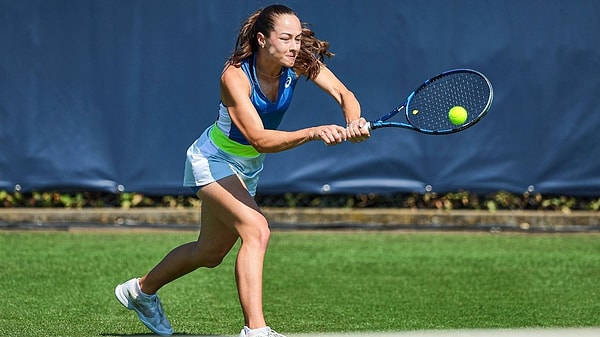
<point x="226" y="135"/>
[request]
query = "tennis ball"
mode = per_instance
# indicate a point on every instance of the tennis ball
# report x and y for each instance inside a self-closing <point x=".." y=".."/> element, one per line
<point x="457" y="115"/>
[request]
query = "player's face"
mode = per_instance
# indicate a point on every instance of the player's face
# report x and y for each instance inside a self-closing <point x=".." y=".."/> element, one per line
<point x="284" y="42"/>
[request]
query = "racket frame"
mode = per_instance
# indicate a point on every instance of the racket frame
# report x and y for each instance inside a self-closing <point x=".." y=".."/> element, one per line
<point x="383" y="122"/>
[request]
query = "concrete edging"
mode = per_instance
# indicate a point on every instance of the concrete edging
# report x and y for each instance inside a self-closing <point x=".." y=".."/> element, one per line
<point x="379" y="218"/>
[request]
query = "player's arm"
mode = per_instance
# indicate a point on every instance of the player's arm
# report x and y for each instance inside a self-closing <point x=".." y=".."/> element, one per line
<point x="235" y="92"/>
<point x="345" y="98"/>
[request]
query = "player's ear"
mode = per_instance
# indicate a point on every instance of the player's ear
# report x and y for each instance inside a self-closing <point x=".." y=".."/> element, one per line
<point x="261" y="39"/>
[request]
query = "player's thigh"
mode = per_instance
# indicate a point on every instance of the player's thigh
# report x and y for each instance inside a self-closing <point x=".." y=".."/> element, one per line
<point x="228" y="203"/>
<point x="215" y="239"/>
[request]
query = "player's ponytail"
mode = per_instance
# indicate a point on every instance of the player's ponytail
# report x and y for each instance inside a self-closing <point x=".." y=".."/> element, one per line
<point x="246" y="42"/>
<point x="312" y="54"/>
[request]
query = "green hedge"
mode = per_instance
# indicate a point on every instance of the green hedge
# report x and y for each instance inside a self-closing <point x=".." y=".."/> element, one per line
<point x="457" y="200"/>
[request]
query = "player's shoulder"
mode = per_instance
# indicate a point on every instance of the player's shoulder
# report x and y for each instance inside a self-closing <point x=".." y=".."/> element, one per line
<point x="231" y="71"/>
<point x="234" y="82"/>
<point x="233" y="75"/>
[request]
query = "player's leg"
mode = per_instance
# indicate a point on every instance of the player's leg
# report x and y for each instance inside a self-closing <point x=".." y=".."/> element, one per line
<point x="214" y="242"/>
<point x="230" y="203"/>
<point x="228" y="212"/>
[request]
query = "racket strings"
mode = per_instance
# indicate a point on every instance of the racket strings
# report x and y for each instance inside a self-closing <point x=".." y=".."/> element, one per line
<point x="429" y="106"/>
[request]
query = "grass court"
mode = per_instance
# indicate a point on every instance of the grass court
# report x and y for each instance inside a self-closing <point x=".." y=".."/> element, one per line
<point x="61" y="283"/>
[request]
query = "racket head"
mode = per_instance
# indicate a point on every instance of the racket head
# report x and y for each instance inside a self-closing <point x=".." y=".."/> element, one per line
<point x="427" y="108"/>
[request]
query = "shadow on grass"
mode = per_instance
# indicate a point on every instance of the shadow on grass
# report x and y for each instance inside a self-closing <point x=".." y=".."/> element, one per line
<point x="109" y="334"/>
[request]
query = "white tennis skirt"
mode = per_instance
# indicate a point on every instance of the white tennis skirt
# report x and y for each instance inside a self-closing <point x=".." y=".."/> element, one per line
<point x="206" y="163"/>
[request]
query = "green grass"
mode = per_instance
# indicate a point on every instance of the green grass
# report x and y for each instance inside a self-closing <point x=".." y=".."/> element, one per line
<point x="61" y="284"/>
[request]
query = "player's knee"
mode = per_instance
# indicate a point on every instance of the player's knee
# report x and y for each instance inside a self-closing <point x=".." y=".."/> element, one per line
<point x="213" y="262"/>
<point x="258" y="236"/>
<point x="264" y="236"/>
<point x="210" y="260"/>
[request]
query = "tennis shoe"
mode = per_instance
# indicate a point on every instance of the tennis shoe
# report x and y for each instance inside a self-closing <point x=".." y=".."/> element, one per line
<point x="147" y="307"/>
<point x="265" y="332"/>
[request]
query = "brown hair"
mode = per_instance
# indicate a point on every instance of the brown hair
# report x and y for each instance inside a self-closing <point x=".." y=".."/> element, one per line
<point x="312" y="50"/>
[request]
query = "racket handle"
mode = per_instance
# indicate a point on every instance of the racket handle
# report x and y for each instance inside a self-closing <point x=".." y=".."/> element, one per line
<point x="368" y="126"/>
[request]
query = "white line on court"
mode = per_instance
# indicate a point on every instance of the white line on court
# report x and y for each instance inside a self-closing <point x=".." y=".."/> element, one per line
<point x="566" y="332"/>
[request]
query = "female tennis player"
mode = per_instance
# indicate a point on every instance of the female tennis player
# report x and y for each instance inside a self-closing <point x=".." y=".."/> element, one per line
<point x="272" y="51"/>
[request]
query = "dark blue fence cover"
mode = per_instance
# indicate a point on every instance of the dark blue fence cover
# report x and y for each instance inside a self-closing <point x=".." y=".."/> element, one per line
<point x="108" y="94"/>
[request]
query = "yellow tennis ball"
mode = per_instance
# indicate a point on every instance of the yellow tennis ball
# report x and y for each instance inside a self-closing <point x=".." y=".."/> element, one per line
<point x="457" y="115"/>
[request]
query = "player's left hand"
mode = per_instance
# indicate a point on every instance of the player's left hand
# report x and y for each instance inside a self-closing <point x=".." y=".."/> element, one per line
<point x="357" y="131"/>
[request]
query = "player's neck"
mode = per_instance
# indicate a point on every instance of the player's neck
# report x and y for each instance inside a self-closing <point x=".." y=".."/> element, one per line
<point x="266" y="68"/>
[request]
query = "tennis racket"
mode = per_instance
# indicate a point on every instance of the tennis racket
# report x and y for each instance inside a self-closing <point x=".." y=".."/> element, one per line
<point x="427" y="108"/>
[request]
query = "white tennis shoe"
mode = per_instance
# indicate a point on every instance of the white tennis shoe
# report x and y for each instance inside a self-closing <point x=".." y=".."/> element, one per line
<point x="264" y="332"/>
<point x="148" y="308"/>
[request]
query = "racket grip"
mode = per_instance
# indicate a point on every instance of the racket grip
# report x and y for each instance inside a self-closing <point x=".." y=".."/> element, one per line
<point x="368" y="126"/>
